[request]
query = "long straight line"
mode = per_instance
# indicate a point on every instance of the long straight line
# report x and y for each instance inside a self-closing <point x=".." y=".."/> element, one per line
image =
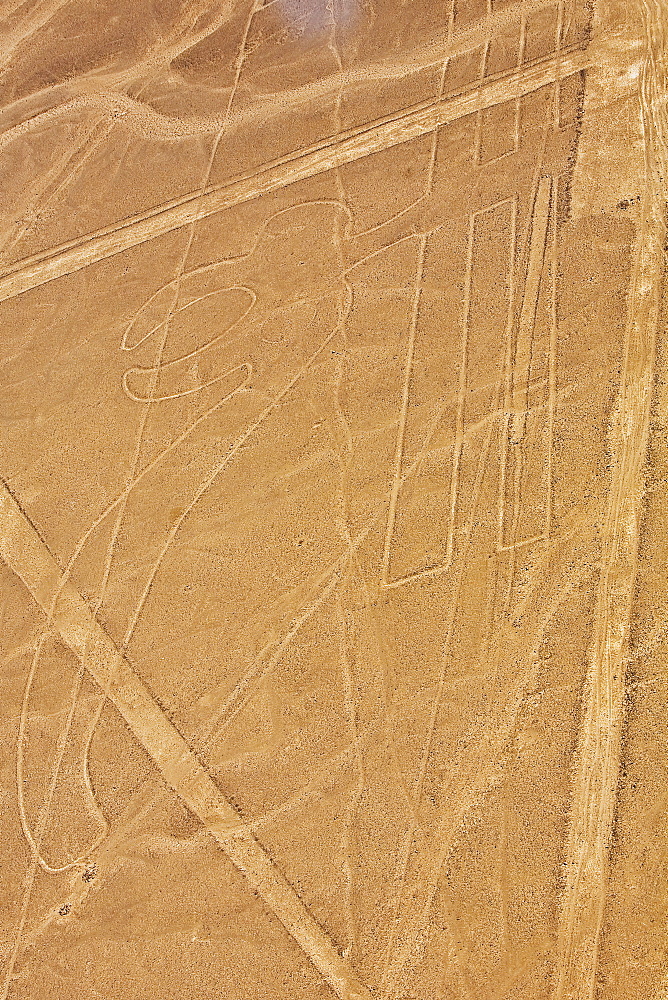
<point x="600" y="741"/>
<point x="537" y="247"/>
<point x="335" y="151"/>
<point x="403" y="413"/>
<point x="27" y="555"/>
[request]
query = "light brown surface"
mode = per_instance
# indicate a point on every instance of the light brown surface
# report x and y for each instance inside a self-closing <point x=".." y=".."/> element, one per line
<point x="332" y="512"/>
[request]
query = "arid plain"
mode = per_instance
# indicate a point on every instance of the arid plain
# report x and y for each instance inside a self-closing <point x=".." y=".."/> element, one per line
<point x="333" y="495"/>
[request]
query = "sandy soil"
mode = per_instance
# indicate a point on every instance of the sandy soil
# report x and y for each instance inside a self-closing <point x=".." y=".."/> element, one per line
<point x="333" y="471"/>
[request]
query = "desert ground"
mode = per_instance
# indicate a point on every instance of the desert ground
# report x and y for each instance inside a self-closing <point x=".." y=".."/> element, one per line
<point x="333" y="495"/>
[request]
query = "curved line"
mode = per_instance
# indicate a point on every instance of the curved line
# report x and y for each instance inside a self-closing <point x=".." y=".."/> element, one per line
<point x="120" y="499"/>
<point x="140" y="118"/>
<point x="220" y="263"/>
<point x="35" y="849"/>
<point x="209" y="343"/>
<point x="200" y="298"/>
<point x="29" y="881"/>
<point x="208" y="482"/>
<point x="187" y="392"/>
<point x="25" y="825"/>
<point x="124" y="339"/>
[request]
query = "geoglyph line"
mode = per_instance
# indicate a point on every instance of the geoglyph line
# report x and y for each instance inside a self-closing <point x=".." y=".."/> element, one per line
<point x="418" y="892"/>
<point x="454" y="498"/>
<point x="410" y="353"/>
<point x="401" y="432"/>
<point x="108" y="92"/>
<point x="539" y="227"/>
<point x="27" y="555"/>
<point x="544" y="213"/>
<point x="600" y="739"/>
<point x="344" y="148"/>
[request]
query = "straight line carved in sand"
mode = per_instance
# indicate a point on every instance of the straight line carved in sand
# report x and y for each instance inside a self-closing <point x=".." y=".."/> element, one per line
<point x="519" y="374"/>
<point x="344" y="148"/>
<point x="27" y="555"/>
<point x="454" y="499"/>
<point x="600" y="739"/>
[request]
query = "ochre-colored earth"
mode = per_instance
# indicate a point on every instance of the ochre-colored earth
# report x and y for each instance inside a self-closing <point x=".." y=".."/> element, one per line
<point x="333" y="495"/>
